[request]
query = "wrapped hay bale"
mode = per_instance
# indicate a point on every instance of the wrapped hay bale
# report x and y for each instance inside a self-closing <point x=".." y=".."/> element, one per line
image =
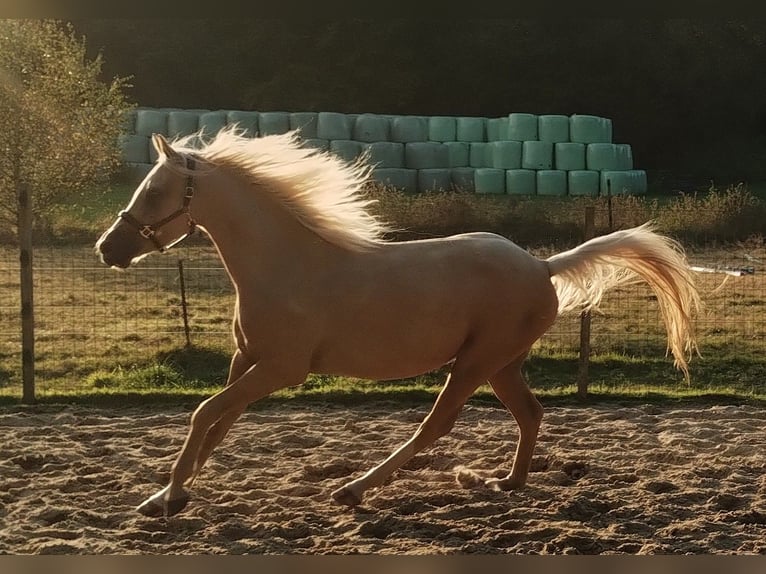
<point x="129" y="121"/>
<point x="371" y="128"/>
<point x="210" y="123"/>
<point x="434" y="179"/>
<point x="537" y="155"/>
<point x="442" y="129"/>
<point x="385" y="154"/>
<point x="601" y="156"/>
<point x="305" y="123"/>
<point x="489" y="180"/>
<point x="521" y="182"/>
<point x="551" y="182"/>
<point x="522" y="127"/>
<point x="590" y="129"/>
<point x="624" y="156"/>
<point x="553" y="128"/>
<point x="334" y="126"/>
<point x="407" y="129"/>
<point x="471" y="129"/>
<point x="150" y="121"/>
<point x="504" y="154"/>
<point x="477" y="155"/>
<point x="458" y="153"/>
<point x="347" y="150"/>
<point x="182" y="123"/>
<point x="497" y="129"/>
<point x="273" y="123"/>
<point x="569" y="156"/>
<point x="134" y="148"/>
<point x="399" y="178"/>
<point x="426" y="155"/>
<point x="136" y="172"/>
<point x="583" y="182"/>
<point x="245" y="120"/>
<point x="630" y="182"/>
<point x="462" y="178"/>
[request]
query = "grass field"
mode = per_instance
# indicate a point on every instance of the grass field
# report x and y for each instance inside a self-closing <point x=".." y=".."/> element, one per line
<point x="112" y="335"/>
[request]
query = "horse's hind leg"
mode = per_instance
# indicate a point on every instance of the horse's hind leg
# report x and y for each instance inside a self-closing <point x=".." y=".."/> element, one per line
<point x="512" y="390"/>
<point x="461" y="383"/>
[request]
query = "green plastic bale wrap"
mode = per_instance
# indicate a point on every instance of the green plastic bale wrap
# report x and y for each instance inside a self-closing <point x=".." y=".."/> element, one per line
<point x="551" y="182"/>
<point x="489" y="180"/>
<point x="521" y="182"/>
<point x="462" y="178"/>
<point x="583" y="182"/>
<point x="129" y="121"/>
<point x="305" y="123"/>
<point x="426" y="155"/>
<point x="273" y="123"/>
<point x="347" y="150"/>
<point x="182" y="123"/>
<point x="317" y="143"/>
<point x="245" y="120"/>
<point x="602" y="156"/>
<point x="210" y="123"/>
<point x="569" y="156"/>
<point x="334" y="126"/>
<point x="537" y="155"/>
<point x="150" y="122"/>
<point x="522" y="127"/>
<point x="624" y="156"/>
<point x="136" y="172"/>
<point x="442" y="129"/>
<point x="458" y="153"/>
<point x="134" y="148"/>
<point x="477" y="154"/>
<point x="504" y="154"/>
<point x="553" y="128"/>
<point x="372" y="128"/>
<point x="590" y="129"/>
<point x="434" y="180"/>
<point x="407" y="129"/>
<point x="497" y="129"/>
<point x="630" y="182"/>
<point x="471" y="129"/>
<point x="399" y="178"/>
<point x="385" y="154"/>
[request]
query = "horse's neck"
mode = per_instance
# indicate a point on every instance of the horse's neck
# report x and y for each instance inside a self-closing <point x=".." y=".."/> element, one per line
<point x="255" y="234"/>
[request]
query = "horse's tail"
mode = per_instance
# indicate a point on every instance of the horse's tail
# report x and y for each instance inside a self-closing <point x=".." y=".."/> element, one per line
<point x="582" y="275"/>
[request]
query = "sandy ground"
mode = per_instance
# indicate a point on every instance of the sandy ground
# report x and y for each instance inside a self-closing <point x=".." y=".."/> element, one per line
<point x="635" y="480"/>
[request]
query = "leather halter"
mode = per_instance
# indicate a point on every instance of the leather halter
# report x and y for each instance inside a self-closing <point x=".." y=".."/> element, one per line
<point x="149" y="231"/>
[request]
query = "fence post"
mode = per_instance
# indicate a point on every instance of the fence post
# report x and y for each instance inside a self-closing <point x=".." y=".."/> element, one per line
<point x="585" y="316"/>
<point x="184" y="310"/>
<point x="27" y="295"/>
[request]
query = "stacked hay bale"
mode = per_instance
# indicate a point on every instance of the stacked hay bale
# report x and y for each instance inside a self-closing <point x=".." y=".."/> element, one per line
<point x="519" y="154"/>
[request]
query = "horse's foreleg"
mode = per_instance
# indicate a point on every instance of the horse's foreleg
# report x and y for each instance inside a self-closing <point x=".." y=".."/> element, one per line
<point x="258" y="381"/>
<point x="512" y="390"/>
<point x="439" y="422"/>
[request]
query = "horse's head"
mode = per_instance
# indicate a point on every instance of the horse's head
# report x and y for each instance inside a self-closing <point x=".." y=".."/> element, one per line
<point x="158" y="214"/>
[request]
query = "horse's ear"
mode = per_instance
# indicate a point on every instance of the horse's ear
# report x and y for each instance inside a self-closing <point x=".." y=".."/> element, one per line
<point x="164" y="149"/>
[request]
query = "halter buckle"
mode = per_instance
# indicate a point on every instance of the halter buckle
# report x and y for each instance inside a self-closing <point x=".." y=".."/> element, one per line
<point x="146" y="232"/>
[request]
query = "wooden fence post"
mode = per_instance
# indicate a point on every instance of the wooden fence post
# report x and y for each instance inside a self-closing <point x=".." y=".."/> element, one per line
<point x="585" y="316"/>
<point x="184" y="309"/>
<point x="27" y="295"/>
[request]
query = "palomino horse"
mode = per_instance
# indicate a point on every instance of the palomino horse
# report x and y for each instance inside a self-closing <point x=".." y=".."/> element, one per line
<point x="319" y="290"/>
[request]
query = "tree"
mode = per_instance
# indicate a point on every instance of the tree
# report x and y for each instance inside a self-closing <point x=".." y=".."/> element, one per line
<point x="59" y="122"/>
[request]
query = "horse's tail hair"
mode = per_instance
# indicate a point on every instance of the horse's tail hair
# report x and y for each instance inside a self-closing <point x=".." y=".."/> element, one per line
<point x="582" y="275"/>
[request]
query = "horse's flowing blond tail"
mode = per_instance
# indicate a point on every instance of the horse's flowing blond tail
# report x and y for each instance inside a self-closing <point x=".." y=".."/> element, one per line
<point x="582" y="275"/>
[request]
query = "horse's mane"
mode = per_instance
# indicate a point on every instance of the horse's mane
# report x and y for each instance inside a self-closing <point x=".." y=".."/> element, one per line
<point x="322" y="191"/>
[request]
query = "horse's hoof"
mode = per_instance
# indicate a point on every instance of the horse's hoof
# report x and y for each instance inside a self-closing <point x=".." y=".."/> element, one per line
<point x="155" y="507"/>
<point x="344" y="496"/>
<point x="502" y="484"/>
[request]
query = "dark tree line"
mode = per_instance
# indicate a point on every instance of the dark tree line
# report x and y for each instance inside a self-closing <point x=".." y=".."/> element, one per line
<point x="688" y="95"/>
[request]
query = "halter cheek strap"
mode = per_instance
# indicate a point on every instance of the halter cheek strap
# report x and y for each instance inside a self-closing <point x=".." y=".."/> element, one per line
<point x="149" y="230"/>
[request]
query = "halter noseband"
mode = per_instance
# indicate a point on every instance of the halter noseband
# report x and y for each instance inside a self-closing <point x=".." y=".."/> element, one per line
<point x="149" y="231"/>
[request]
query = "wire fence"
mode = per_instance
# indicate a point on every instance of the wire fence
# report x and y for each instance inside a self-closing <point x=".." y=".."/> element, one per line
<point x="91" y="319"/>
